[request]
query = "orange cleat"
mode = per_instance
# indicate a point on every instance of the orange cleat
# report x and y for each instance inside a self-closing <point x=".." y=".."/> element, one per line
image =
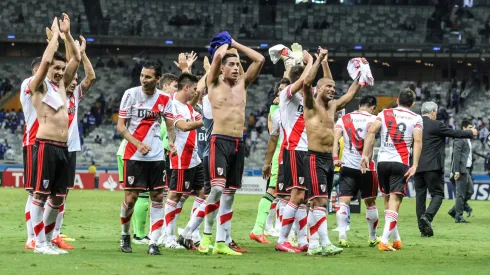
<point x="259" y="238"/>
<point x="233" y="245"/>
<point x="30" y="245"/>
<point x="385" y="247"/>
<point x="61" y="243"/>
<point x="397" y="245"/>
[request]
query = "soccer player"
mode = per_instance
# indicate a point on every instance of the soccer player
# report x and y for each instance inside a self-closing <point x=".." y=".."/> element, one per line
<point x="320" y="112"/>
<point x="30" y="131"/>
<point x="400" y="129"/>
<point x="268" y="203"/>
<point x="353" y="127"/>
<point x="50" y="152"/>
<point x="227" y="95"/>
<point x="187" y="171"/>
<point x="75" y="93"/>
<point x="141" y="110"/>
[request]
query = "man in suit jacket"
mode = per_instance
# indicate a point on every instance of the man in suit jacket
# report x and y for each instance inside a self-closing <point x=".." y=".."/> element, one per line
<point x="461" y="169"/>
<point x="430" y="172"/>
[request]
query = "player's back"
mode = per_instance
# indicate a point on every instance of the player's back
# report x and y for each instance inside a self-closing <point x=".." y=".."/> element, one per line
<point x="354" y="127"/>
<point x="292" y="119"/>
<point x="397" y="127"/>
<point x="31" y="123"/>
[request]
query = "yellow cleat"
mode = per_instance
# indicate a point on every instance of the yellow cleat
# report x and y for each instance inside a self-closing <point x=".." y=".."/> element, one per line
<point x="66" y="238"/>
<point x="204" y="245"/>
<point x="222" y="248"/>
<point x="385" y="247"/>
<point x="375" y="242"/>
<point x="397" y="245"/>
<point x="343" y="243"/>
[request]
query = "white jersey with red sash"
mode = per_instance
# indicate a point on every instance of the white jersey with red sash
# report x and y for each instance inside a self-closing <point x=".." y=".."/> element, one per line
<point x="292" y="120"/>
<point x="31" y="124"/>
<point x="185" y="142"/>
<point x="73" y="134"/>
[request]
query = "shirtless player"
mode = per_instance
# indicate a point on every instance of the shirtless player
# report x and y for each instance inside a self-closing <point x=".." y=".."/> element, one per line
<point x="50" y="152"/>
<point x="227" y="95"/>
<point x="319" y="120"/>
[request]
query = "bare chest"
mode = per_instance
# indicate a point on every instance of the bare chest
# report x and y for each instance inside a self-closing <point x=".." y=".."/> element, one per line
<point x="224" y="97"/>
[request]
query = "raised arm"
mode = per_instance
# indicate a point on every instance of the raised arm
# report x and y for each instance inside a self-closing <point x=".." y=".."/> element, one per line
<point x="310" y="77"/>
<point x="257" y="62"/>
<point x="195" y="98"/>
<point x="326" y="69"/>
<point x="215" y="69"/>
<point x="72" y="66"/>
<point x="351" y="93"/>
<point x="89" y="79"/>
<point x="47" y="58"/>
<point x="367" y="152"/>
<point x="298" y="84"/>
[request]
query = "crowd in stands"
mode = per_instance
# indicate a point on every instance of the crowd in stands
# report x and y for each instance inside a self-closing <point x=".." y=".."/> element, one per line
<point x="5" y="87"/>
<point x="13" y="120"/>
<point x="5" y="150"/>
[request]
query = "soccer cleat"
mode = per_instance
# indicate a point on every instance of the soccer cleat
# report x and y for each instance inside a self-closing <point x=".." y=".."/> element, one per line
<point x="205" y="243"/>
<point x="57" y="249"/>
<point x="332" y="250"/>
<point x="138" y="240"/>
<point x="259" y="238"/>
<point x="61" y="243"/>
<point x="187" y="243"/>
<point x="173" y="244"/>
<point x="303" y="248"/>
<point x="233" y="245"/>
<point x="196" y="238"/>
<point x="126" y="244"/>
<point x="30" y="245"/>
<point x="397" y="245"/>
<point x="315" y="252"/>
<point x="286" y="247"/>
<point x="66" y="238"/>
<point x="153" y="249"/>
<point x="45" y="249"/>
<point x="343" y="243"/>
<point x="222" y="248"/>
<point x="385" y="247"/>
<point x="373" y="243"/>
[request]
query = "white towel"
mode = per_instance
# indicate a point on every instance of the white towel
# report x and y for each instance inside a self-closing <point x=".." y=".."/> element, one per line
<point x="276" y="52"/>
<point x="361" y="71"/>
<point x="53" y="98"/>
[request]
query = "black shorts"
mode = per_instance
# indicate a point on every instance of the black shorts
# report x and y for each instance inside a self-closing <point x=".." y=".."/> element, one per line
<point x="28" y="171"/>
<point x="144" y="175"/>
<point x="226" y="161"/>
<point x="72" y="166"/>
<point x="319" y="174"/>
<point x="167" y="171"/>
<point x="185" y="181"/>
<point x="50" y="159"/>
<point x="391" y="176"/>
<point x="294" y="173"/>
<point x="280" y="186"/>
<point x="352" y="180"/>
<point x="207" y="178"/>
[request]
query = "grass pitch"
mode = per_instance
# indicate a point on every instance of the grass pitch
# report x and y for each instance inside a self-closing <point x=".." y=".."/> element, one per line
<point x="92" y="217"/>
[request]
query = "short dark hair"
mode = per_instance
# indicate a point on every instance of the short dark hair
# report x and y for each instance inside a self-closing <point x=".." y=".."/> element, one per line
<point x="295" y="73"/>
<point x="465" y="124"/>
<point x="368" y="101"/>
<point x="283" y="81"/>
<point x="168" y="78"/>
<point x="36" y="62"/>
<point x="186" y="79"/>
<point x="155" y="66"/>
<point x="226" y="56"/>
<point x="59" y="56"/>
<point x="406" y="98"/>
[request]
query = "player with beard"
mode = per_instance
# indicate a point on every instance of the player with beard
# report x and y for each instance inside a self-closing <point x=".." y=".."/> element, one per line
<point x="142" y="109"/>
<point x="227" y="95"/>
<point x="50" y="152"/>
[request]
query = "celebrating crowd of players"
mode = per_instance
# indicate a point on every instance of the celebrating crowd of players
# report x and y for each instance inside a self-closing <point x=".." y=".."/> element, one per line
<point x="183" y="137"/>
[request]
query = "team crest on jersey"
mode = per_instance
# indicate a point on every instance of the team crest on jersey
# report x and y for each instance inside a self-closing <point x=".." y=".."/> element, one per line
<point x="187" y="184"/>
<point x="160" y="107"/>
<point x="130" y="180"/>
<point x="45" y="183"/>
<point x="323" y="187"/>
<point x="281" y="186"/>
<point x="301" y="180"/>
<point x="220" y="171"/>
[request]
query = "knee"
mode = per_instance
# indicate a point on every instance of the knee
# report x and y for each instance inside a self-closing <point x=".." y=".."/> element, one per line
<point x="216" y="191"/>
<point x="54" y="200"/>
<point x="158" y="197"/>
<point x="370" y="202"/>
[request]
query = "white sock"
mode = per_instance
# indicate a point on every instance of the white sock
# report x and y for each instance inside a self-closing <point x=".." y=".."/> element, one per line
<point x="197" y="201"/>
<point x="391" y="218"/>
<point x="314" y="237"/>
<point x="269" y="224"/>
<point x="213" y="203"/>
<point x="287" y="221"/>
<point x="225" y="213"/>
<point x="126" y="214"/>
<point x="302" y="218"/>
<point x="320" y="218"/>
<point x="195" y="221"/>
<point x="30" y="230"/>
<point x="59" y="220"/>
<point x="36" y="210"/>
<point x="343" y="220"/>
<point x="279" y="207"/>
<point x="395" y="234"/>
<point x="157" y="212"/>
<point x="170" y="218"/>
<point x="49" y="217"/>
<point x="372" y="221"/>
